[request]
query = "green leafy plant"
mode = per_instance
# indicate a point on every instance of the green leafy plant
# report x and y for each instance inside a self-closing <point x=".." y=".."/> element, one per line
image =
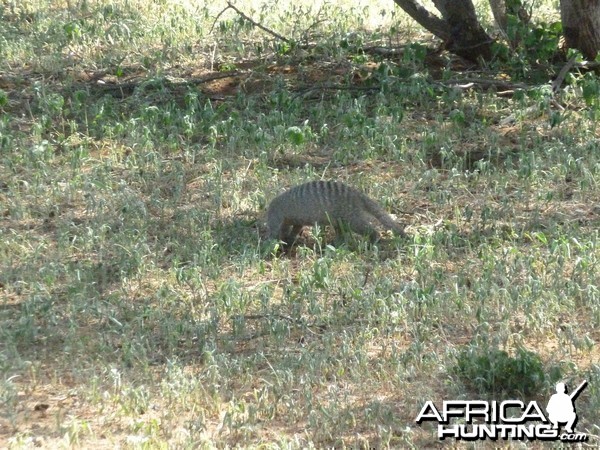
<point x="3" y="98"/>
<point x="494" y="372"/>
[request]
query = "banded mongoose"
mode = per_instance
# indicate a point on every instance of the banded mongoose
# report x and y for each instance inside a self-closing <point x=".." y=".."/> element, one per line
<point x="326" y="203"/>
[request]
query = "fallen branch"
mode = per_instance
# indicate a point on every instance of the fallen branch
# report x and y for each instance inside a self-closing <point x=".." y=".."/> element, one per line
<point x="535" y="110"/>
<point x="590" y="65"/>
<point x="562" y="74"/>
<point x="191" y="81"/>
<point x="383" y="50"/>
<point x="467" y="83"/>
<point x="126" y="88"/>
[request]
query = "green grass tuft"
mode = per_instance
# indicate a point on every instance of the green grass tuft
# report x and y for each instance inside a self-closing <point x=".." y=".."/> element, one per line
<point x="140" y="143"/>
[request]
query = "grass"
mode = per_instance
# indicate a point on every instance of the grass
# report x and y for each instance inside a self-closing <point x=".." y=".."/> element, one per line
<point x="139" y="307"/>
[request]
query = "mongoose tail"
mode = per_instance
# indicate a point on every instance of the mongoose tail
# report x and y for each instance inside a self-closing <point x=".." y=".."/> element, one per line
<point x="383" y="217"/>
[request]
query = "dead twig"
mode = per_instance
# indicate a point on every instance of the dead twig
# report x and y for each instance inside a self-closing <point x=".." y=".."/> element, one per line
<point x="367" y="273"/>
<point x="126" y="88"/>
<point x="270" y="316"/>
<point x="528" y="112"/>
<point x="384" y="51"/>
<point x="556" y="84"/>
<point x="467" y="83"/>
<point x="589" y="65"/>
<point x="317" y="21"/>
<point x="211" y="77"/>
<point x="256" y="24"/>
<point x="217" y="18"/>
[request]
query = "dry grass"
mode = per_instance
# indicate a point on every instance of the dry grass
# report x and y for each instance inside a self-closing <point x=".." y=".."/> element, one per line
<point x="138" y="305"/>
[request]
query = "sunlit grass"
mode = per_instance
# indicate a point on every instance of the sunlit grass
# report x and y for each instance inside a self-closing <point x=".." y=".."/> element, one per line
<point x="139" y="306"/>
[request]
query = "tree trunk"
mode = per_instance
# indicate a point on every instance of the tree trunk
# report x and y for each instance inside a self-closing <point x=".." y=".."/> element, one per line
<point x="499" y="12"/>
<point x="458" y="27"/>
<point x="581" y="25"/>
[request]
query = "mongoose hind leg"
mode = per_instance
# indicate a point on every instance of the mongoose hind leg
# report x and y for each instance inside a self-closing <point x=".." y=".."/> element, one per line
<point x="361" y="224"/>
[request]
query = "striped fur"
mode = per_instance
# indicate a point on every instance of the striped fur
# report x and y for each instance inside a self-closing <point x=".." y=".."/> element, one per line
<point x="326" y="203"/>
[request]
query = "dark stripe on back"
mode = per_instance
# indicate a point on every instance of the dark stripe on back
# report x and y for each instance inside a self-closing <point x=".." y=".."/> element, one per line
<point x="302" y="191"/>
<point x="337" y="188"/>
